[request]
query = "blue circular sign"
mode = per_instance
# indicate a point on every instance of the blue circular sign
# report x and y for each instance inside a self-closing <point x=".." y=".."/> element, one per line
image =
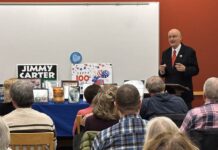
<point x="76" y="58"/>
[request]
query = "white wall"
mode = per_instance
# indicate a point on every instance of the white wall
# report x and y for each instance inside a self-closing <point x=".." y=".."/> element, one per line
<point x="125" y="35"/>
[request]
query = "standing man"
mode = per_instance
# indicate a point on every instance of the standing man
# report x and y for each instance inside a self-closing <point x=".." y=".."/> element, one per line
<point x="179" y="64"/>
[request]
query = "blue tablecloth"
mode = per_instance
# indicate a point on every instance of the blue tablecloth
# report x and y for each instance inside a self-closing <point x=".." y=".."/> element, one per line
<point x="63" y="115"/>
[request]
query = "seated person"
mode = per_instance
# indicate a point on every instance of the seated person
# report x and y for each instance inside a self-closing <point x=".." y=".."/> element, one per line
<point x="130" y="131"/>
<point x="160" y="102"/>
<point x="170" y="141"/>
<point x="157" y="128"/>
<point x="7" y="106"/>
<point x="89" y="94"/>
<point x="104" y="112"/>
<point x="24" y="118"/>
<point x="4" y="135"/>
<point x="206" y="116"/>
<point x="158" y="125"/>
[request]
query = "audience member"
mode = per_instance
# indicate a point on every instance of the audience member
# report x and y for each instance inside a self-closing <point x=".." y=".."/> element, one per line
<point x="7" y="106"/>
<point x="129" y="132"/>
<point x="160" y="102"/>
<point x="104" y="112"/>
<point x="159" y="125"/>
<point x="24" y="118"/>
<point x="89" y="94"/>
<point x="205" y="116"/>
<point x="170" y="141"/>
<point x="4" y="135"/>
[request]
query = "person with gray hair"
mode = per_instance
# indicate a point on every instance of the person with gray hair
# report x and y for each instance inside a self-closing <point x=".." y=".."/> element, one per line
<point x="129" y="132"/>
<point x="24" y="118"/>
<point x="160" y="102"/>
<point x="4" y="135"/>
<point x="205" y="116"/>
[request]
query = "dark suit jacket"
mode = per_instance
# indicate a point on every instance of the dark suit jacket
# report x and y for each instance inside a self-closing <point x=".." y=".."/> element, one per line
<point x="187" y="57"/>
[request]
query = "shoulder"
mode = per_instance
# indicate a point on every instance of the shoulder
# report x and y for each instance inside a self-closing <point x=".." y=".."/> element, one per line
<point x="174" y="97"/>
<point x="187" y="48"/>
<point x="195" y="111"/>
<point x="9" y="115"/>
<point x="42" y="116"/>
<point x="104" y="135"/>
<point x="145" y="100"/>
<point x="90" y="118"/>
<point x="85" y="111"/>
<point x="167" y="51"/>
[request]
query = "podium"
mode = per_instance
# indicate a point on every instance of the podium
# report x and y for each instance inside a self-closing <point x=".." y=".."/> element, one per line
<point x="176" y="89"/>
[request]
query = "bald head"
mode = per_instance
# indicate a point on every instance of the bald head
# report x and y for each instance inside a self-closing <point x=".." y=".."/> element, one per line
<point x="211" y="89"/>
<point x="174" y="38"/>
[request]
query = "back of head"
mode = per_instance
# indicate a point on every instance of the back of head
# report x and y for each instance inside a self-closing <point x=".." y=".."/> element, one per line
<point x="160" y="125"/>
<point x="22" y="93"/>
<point x="90" y="92"/>
<point x="4" y="135"/>
<point x="211" y="89"/>
<point x="170" y="141"/>
<point x="127" y="99"/>
<point x="155" y="84"/>
<point x="7" y="86"/>
<point x="103" y="104"/>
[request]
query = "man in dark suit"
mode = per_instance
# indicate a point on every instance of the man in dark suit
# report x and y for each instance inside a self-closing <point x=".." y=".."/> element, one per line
<point x="179" y="64"/>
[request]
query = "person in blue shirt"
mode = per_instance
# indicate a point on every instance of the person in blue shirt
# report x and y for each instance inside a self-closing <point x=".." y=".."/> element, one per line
<point x="129" y="132"/>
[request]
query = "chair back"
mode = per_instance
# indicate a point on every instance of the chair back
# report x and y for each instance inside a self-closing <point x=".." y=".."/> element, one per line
<point x="31" y="141"/>
<point x="176" y="118"/>
<point x="78" y="121"/>
<point x="205" y="139"/>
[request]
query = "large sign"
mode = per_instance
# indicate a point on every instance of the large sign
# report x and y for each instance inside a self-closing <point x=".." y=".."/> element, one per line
<point x="41" y="71"/>
<point x="92" y="73"/>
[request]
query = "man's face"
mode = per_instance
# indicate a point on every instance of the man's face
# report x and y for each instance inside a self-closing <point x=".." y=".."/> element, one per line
<point x="174" y="38"/>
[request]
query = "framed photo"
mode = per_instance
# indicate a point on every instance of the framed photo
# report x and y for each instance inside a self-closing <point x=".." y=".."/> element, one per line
<point x="66" y="84"/>
<point x="40" y="95"/>
<point x="50" y="84"/>
<point x="36" y="82"/>
<point x="69" y="83"/>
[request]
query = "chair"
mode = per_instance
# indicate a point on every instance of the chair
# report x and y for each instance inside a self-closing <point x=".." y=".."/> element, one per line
<point x="32" y="141"/>
<point x="205" y="139"/>
<point x="78" y="123"/>
<point x="176" y="118"/>
<point x="79" y="133"/>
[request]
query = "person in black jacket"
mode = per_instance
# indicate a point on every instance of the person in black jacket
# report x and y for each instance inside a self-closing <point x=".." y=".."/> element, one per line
<point x="180" y="68"/>
<point x="160" y="102"/>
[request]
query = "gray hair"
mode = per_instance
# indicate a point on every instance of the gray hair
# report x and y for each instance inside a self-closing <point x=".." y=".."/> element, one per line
<point x="155" y="84"/>
<point x="4" y="135"/>
<point x="211" y="89"/>
<point x="22" y="93"/>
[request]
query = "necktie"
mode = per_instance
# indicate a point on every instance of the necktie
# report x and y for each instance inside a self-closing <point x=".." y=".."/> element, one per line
<point x="173" y="57"/>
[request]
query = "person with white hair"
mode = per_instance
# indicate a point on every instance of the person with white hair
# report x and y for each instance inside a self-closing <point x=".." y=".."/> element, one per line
<point x="206" y="116"/>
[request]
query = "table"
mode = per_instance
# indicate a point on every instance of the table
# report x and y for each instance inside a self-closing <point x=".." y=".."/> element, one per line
<point x="63" y="115"/>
